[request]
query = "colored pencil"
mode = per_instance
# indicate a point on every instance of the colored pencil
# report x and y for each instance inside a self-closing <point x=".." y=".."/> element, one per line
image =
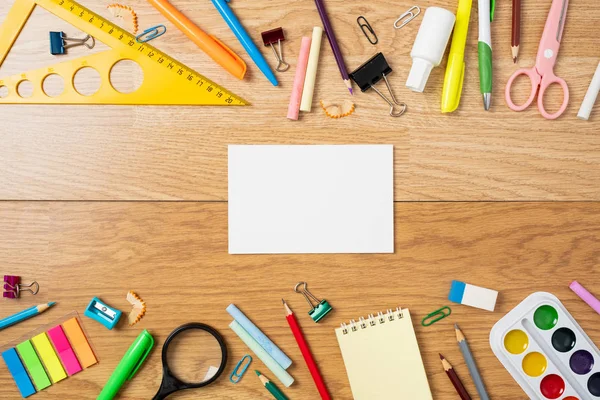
<point x="460" y="389"/>
<point x="274" y="390"/>
<point x="25" y="314"/>
<point x="516" y="29"/>
<point x="470" y="360"/>
<point x="335" y="47"/>
<point x="308" y="358"/>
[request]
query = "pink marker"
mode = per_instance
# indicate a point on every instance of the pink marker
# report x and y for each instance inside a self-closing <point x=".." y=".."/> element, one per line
<point x="64" y="350"/>
<point x="585" y="296"/>
<point x="294" y="108"/>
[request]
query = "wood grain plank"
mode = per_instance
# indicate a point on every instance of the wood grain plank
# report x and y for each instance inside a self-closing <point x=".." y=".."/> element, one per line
<point x="174" y="255"/>
<point x="173" y="153"/>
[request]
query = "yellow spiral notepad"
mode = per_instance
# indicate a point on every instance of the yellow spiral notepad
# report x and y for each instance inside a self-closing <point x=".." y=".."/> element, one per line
<point x="382" y="357"/>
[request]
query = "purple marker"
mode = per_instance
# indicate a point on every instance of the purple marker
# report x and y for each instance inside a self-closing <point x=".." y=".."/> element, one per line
<point x="585" y="296"/>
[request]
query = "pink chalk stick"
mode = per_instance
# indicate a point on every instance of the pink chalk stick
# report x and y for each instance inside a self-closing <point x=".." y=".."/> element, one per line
<point x="64" y="350"/>
<point x="585" y="296"/>
<point x="294" y="108"/>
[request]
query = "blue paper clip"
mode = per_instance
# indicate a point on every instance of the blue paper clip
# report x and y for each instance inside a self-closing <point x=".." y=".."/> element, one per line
<point x="151" y="33"/>
<point x="236" y="375"/>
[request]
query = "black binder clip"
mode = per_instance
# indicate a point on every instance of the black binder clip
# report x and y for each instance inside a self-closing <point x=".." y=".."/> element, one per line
<point x="371" y="72"/>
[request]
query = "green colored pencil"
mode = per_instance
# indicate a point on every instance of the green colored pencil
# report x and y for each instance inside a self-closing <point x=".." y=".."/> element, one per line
<point x="278" y="394"/>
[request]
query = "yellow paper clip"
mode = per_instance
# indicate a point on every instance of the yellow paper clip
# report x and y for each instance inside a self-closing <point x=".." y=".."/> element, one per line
<point x="435" y="316"/>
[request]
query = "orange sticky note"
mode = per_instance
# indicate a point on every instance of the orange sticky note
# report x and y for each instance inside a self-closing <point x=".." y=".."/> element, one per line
<point x="79" y="343"/>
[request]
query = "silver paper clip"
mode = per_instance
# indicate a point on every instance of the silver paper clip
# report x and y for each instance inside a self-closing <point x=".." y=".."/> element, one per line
<point x="408" y="16"/>
<point x="151" y="33"/>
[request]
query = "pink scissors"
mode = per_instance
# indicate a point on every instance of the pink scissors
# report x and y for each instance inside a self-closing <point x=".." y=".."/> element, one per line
<point x="542" y="74"/>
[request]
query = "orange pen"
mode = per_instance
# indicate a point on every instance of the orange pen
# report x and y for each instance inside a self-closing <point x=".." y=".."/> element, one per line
<point x="212" y="46"/>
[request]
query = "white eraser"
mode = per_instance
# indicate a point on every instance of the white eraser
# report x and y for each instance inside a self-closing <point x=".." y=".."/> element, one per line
<point x="474" y="296"/>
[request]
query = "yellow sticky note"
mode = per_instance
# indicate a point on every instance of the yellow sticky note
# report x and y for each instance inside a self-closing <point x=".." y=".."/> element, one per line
<point x="49" y="358"/>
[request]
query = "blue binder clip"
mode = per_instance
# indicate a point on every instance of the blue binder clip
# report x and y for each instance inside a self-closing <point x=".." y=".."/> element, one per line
<point x="59" y="45"/>
<point x="102" y="313"/>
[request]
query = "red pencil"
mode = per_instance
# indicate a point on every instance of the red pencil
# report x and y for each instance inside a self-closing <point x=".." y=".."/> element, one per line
<point x="310" y="362"/>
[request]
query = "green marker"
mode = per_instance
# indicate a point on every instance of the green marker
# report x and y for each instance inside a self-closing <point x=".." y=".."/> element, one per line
<point x="486" y="16"/>
<point x="128" y="366"/>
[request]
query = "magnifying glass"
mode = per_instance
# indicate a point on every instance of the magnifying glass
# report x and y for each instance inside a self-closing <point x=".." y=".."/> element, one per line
<point x="194" y="355"/>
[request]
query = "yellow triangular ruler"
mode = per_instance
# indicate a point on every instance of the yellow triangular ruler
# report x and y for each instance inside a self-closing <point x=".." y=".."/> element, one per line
<point x="166" y="81"/>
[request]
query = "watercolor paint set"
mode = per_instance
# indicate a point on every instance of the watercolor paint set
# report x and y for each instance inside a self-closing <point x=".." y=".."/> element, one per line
<point x="546" y="351"/>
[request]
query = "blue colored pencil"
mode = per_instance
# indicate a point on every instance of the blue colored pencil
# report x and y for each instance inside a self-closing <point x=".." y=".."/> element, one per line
<point x="25" y="314"/>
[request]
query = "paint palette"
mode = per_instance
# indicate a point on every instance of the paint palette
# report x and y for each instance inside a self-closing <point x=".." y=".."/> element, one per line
<point x="546" y="351"/>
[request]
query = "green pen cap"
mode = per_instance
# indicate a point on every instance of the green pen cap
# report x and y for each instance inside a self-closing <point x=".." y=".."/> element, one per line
<point x="128" y="366"/>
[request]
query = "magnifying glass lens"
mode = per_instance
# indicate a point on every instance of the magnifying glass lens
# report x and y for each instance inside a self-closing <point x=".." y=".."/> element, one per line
<point x="194" y="356"/>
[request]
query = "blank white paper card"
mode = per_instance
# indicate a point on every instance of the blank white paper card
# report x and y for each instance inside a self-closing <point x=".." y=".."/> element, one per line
<point x="311" y="199"/>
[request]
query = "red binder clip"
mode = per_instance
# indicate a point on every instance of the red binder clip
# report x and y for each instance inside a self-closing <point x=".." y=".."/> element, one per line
<point x="13" y="287"/>
<point x="272" y="38"/>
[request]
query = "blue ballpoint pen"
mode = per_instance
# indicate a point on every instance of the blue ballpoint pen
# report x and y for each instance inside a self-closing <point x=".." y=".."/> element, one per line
<point x="245" y="39"/>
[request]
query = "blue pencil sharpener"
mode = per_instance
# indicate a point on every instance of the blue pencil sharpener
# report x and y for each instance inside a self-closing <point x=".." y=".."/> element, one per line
<point x="99" y="311"/>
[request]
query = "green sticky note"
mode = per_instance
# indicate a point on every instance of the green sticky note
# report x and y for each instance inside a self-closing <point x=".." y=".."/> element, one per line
<point x="34" y="365"/>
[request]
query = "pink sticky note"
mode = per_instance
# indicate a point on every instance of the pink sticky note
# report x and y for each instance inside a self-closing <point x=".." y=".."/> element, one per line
<point x="64" y="350"/>
<point x="298" y="86"/>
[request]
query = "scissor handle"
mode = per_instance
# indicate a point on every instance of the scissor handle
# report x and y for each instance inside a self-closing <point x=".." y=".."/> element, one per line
<point x="535" y="79"/>
<point x="548" y="80"/>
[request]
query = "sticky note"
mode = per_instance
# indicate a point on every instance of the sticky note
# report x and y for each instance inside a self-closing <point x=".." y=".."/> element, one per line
<point x="474" y="296"/>
<point x="79" y="343"/>
<point x="49" y="358"/>
<point x="17" y="370"/>
<point x="64" y="350"/>
<point x="34" y="365"/>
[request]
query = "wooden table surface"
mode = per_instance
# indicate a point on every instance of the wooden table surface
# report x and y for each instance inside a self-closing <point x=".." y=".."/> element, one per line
<point x="166" y="153"/>
<point x="100" y="200"/>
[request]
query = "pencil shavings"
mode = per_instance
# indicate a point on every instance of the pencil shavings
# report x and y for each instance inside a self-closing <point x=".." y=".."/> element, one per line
<point x="138" y="310"/>
<point x="125" y="13"/>
<point x="336" y="110"/>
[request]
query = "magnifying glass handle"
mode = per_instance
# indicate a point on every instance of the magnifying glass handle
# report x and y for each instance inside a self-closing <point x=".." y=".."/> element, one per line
<point x="167" y="387"/>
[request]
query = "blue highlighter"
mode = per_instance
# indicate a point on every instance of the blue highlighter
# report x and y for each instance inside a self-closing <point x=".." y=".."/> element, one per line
<point x="245" y="39"/>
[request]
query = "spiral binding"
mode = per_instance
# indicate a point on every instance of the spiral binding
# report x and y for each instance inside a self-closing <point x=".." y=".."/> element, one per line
<point x="371" y="320"/>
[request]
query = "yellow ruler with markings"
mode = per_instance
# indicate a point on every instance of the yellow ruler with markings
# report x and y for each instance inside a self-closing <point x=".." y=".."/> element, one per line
<point x="166" y="80"/>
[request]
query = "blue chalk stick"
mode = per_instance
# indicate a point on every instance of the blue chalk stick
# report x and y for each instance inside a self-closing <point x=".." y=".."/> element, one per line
<point x="18" y="372"/>
<point x="457" y="290"/>
<point x="260" y="337"/>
